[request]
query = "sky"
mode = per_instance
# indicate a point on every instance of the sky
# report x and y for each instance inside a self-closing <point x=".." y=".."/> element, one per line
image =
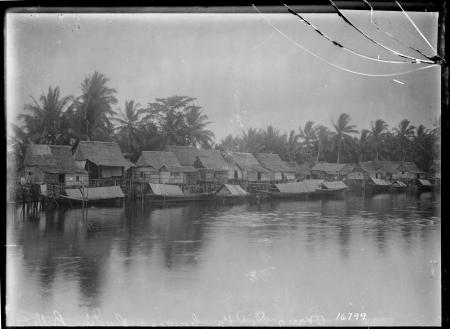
<point x="242" y="72"/>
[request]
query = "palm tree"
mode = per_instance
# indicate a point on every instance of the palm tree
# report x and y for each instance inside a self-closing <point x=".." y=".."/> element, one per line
<point x="362" y="144"/>
<point x="273" y="140"/>
<point x="308" y="136"/>
<point x="343" y="129"/>
<point x="404" y="132"/>
<point x="252" y="141"/>
<point x="195" y="123"/>
<point x="292" y="145"/>
<point x="128" y="126"/>
<point x="94" y="107"/>
<point x="322" y="136"/>
<point x="377" y="132"/>
<point x="42" y="123"/>
<point x="230" y="143"/>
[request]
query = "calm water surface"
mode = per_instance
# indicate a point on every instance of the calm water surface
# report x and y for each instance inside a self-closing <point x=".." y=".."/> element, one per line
<point x="274" y="263"/>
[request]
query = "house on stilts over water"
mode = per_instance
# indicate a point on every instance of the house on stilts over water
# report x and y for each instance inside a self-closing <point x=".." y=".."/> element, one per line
<point x="279" y="171"/>
<point x="162" y="167"/>
<point x="211" y="166"/>
<point x="330" y="171"/>
<point x="54" y="166"/>
<point x="103" y="161"/>
<point x="246" y="168"/>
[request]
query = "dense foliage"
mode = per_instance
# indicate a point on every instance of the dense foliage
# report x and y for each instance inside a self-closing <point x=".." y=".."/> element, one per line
<point x="94" y="115"/>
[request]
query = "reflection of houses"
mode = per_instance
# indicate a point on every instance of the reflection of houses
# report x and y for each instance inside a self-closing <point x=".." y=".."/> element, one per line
<point x="54" y="165"/>
<point x="279" y="171"/>
<point x="247" y="168"/>
<point x="163" y="167"/>
<point x="301" y="171"/>
<point x="102" y="160"/>
<point x="330" y="171"/>
<point x="210" y="164"/>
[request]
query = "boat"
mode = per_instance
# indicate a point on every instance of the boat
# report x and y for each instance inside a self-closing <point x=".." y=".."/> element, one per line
<point x="92" y="195"/>
<point x="424" y="185"/>
<point x="377" y="185"/>
<point x="332" y="189"/>
<point x="229" y="193"/>
<point x="398" y="186"/>
<point x="297" y="190"/>
<point x="166" y="193"/>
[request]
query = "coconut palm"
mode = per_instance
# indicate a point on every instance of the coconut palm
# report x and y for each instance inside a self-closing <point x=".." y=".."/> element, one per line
<point x="377" y="131"/>
<point x="252" y="141"/>
<point x="404" y="132"/>
<point x="308" y="137"/>
<point x="230" y="144"/>
<point x="322" y="136"/>
<point x="292" y="145"/>
<point x="128" y="126"/>
<point x="43" y="121"/>
<point x="94" y="107"/>
<point x="273" y="140"/>
<point x="195" y="123"/>
<point x="343" y="130"/>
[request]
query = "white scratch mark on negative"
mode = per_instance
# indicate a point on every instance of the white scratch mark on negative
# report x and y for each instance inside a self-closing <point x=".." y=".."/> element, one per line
<point x="402" y="83"/>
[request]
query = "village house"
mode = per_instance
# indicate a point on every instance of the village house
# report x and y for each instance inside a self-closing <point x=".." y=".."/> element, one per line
<point x="163" y="167"/>
<point x="396" y="170"/>
<point x="102" y="160"/>
<point x="247" y="168"/>
<point x="330" y="171"/>
<point x="279" y="171"/>
<point x="210" y="164"/>
<point x="52" y="165"/>
<point x="301" y="171"/>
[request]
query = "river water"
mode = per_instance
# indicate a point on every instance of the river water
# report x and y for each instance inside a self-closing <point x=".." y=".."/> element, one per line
<point x="359" y="261"/>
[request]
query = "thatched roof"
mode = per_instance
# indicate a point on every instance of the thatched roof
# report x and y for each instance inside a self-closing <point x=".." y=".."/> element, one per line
<point x="299" y="168"/>
<point x="96" y="193"/>
<point x="159" y="159"/>
<point x="296" y="187"/>
<point x="412" y="168"/>
<point x="246" y="161"/>
<point x="380" y="182"/>
<point x="186" y="155"/>
<point x="334" y="185"/>
<point x="391" y="167"/>
<point x="272" y="162"/>
<point x="102" y="154"/>
<point x="331" y="168"/>
<point x="52" y="158"/>
<point x="425" y="182"/>
<point x="233" y="189"/>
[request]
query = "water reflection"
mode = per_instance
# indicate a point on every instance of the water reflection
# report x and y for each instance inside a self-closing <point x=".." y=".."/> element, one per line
<point x="282" y="257"/>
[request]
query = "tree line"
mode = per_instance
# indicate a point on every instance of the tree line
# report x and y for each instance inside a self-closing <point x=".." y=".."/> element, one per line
<point x="95" y="115"/>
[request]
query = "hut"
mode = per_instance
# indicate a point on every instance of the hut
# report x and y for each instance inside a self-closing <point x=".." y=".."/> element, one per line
<point x="54" y="165"/>
<point x="163" y="167"/>
<point x="301" y="171"/>
<point x="102" y="160"/>
<point x="279" y="171"/>
<point x="210" y="164"/>
<point x="248" y="168"/>
<point x="408" y="171"/>
<point x="330" y="171"/>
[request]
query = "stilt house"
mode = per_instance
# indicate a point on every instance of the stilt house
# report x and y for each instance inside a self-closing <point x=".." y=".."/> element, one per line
<point x="102" y="160"/>
<point x="279" y="171"/>
<point x="53" y="165"/>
